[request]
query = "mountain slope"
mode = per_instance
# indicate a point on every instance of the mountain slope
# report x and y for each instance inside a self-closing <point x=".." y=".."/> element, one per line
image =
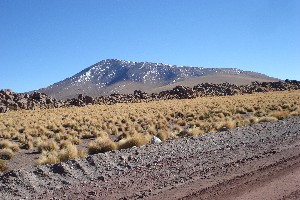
<point x="119" y="76"/>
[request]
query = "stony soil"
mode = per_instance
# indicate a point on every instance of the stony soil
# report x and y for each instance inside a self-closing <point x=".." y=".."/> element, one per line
<point x="256" y="162"/>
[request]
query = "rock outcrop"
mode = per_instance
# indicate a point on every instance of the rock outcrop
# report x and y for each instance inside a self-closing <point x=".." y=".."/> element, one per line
<point x="16" y="101"/>
<point x="10" y="101"/>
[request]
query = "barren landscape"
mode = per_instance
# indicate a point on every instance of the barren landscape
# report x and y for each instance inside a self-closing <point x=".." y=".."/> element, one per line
<point x="255" y="162"/>
<point x="49" y="136"/>
<point x="154" y="100"/>
<point x="235" y="147"/>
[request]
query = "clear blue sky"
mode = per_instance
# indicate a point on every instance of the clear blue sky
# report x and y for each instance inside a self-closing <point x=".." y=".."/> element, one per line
<point x="42" y="42"/>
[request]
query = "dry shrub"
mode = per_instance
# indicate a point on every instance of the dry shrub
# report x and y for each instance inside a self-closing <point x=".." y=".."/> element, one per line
<point x="207" y="127"/>
<point x="267" y="119"/>
<point x="37" y="141"/>
<point x="241" y="111"/>
<point x="259" y="113"/>
<point x="163" y="135"/>
<point x="89" y="135"/>
<point x="148" y="138"/>
<point x="65" y="143"/>
<point x="138" y="128"/>
<point x="50" y="145"/>
<point x="221" y="115"/>
<point x="76" y="140"/>
<point x="253" y="120"/>
<point x="101" y="145"/>
<point x="280" y="114"/>
<point x="123" y="135"/>
<point x="6" y="135"/>
<point x="195" y="131"/>
<point x="82" y="153"/>
<point x="3" y="166"/>
<point x="59" y="137"/>
<point x="286" y="106"/>
<point x="223" y="126"/>
<point x="177" y="128"/>
<point x="132" y="132"/>
<point x="69" y="152"/>
<point x="53" y="157"/>
<point x="28" y="145"/>
<point x="22" y="138"/>
<point x="136" y="140"/>
<point x="6" y="154"/>
<point x="183" y="133"/>
<point x="181" y="122"/>
<point x="243" y="122"/>
<point x="198" y="123"/>
<point x="295" y="113"/>
<point x="9" y="145"/>
<point x="48" y="157"/>
<point x="249" y="109"/>
<point x="103" y="135"/>
<point x="115" y="130"/>
<point x="152" y="131"/>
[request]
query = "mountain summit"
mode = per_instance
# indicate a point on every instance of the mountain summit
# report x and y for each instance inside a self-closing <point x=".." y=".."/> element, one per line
<point x="120" y="76"/>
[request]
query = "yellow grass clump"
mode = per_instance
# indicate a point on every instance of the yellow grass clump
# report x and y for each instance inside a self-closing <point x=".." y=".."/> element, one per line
<point x="3" y="166"/>
<point x="9" y="145"/>
<point x="6" y="154"/>
<point x="50" y="145"/>
<point x="136" y="140"/>
<point x="101" y="145"/>
<point x="48" y="157"/>
<point x="70" y="152"/>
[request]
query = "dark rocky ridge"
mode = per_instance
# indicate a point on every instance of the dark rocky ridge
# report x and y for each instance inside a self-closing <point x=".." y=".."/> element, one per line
<point x="118" y="76"/>
<point x="15" y="101"/>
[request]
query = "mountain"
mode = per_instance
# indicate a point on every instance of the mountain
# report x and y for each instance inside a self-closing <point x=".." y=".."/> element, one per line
<point x="120" y="76"/>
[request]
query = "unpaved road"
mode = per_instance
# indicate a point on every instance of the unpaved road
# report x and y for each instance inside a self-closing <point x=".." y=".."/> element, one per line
<point x="257" y="162"/>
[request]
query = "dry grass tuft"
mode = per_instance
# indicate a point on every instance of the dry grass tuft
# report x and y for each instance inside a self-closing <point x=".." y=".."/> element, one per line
<point x="136" y="140"/>
<point x="195" y="131"/>
<point x="280" y="114"/>
<point x="295" y="113"/>
<point x="226" y="125"/>
<point x="253" y="120"/>
<point x="3" y="166"/>
<point x="6" y="154"/>
<point x="267" y="119"/>
<point x="69" y="152"/>
<point x="101" y="145"/>
<point x="181" y="122"/>
<point x="48" y="157"/>
<point x="48" y="146"/>
<point x="28" y="145"/>
<point x="65" y="143"/>
<point x="9" y="145"/>
<point x="163" y="135"/>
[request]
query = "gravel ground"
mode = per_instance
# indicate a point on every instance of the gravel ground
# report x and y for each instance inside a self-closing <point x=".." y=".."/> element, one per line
<point x="261" y="161"/>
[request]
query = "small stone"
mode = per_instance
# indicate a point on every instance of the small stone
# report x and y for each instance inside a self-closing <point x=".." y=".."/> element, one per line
<point x="155" y="140"/>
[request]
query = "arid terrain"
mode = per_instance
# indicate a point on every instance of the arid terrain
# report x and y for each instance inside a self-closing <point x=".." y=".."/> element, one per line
<point x="32" y="137"/>
<point x="154" y="100"/>
<point x="242" y="146"/>
<point x="261" y="161"/>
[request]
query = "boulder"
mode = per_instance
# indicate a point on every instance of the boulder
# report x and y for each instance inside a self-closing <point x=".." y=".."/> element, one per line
<point x="155" y="140"/>
<point x="88" y="100"/>
<point x="3" y="109"/>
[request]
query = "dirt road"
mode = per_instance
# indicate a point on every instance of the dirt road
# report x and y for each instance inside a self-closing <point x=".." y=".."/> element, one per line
<point x="257" y="162"/>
